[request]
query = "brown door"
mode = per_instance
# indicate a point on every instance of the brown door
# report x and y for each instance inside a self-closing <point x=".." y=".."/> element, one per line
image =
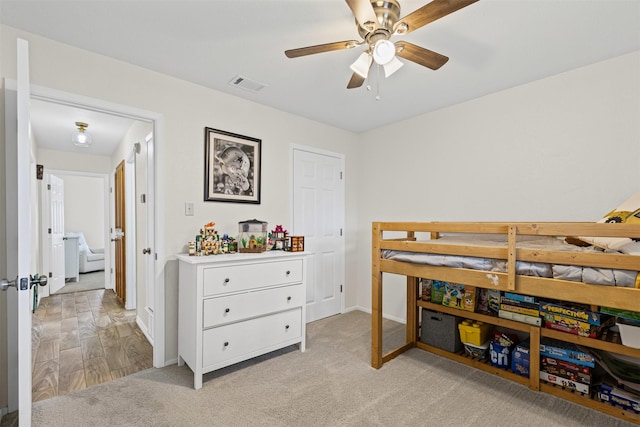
<point x="121" y="235"/>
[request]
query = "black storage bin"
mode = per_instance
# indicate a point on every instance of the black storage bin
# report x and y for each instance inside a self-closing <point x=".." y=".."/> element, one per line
<point x="441" y="330"/>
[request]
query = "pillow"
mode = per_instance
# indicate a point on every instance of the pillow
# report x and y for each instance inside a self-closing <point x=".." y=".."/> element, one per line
<point x="627" y="212"/>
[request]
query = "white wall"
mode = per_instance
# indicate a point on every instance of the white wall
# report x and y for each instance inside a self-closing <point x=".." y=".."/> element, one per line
<point x="187" y="109"/>
<point x="84" y="207"/>
<point x="562" y="148"/>
<point x="76" y="162"/>
<point x="565" y="148"/>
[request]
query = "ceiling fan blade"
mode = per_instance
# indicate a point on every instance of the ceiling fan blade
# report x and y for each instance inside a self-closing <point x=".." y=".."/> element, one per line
<point x="364" y="14"/>
<point x="419" y="55"/>
<point x="328" y="47"/>
<point x="431" y="12"/>
<point x="356" y="81"/>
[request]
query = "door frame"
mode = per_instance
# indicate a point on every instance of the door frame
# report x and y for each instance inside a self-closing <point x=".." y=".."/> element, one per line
<point x="341" y="219"/>
<point x="130" y="219"/>
<point x="155" y="215"/>
<point x="45" y="292"/>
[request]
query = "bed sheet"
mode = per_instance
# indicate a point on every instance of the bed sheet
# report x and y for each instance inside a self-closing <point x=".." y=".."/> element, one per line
<point x="590" y="275"/>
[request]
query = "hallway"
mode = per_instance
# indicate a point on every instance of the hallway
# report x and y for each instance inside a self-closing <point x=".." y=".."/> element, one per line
<point x="82" y="339"/>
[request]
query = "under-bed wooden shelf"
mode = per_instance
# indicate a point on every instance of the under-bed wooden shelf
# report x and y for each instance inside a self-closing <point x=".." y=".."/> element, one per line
<point x="544" y="287"/>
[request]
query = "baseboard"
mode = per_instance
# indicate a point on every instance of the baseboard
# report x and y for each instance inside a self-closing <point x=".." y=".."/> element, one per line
<point x="368" y="310"/>
<point x="144" y="330"/>
<point x="171" y="362"/>
<point x="3" y="411"/>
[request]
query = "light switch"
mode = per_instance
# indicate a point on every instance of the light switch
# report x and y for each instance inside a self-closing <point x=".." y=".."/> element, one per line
<point x="188" y="208"/>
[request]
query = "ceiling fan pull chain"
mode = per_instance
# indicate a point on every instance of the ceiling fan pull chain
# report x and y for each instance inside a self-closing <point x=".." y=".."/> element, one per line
<point x="377" y="82"/>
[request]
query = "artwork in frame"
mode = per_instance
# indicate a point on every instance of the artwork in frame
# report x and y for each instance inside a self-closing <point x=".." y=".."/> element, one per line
<point x="232" y="167"/>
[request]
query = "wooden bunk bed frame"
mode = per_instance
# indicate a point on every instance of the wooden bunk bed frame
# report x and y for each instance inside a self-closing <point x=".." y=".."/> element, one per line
<point x="595" y="295"/>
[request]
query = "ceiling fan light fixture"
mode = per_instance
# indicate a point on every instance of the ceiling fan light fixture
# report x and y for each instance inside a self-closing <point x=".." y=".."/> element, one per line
<point x="383" y="52"/>
<point x="81" y="138"/>
<point x="392" y="66"/>
<point x="362" y="64"/>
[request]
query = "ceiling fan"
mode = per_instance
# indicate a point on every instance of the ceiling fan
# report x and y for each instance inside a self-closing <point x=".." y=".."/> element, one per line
<point x="377" y="21"/>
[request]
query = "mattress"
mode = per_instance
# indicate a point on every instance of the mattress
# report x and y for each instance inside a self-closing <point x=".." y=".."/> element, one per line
<point x="590" y="275"/>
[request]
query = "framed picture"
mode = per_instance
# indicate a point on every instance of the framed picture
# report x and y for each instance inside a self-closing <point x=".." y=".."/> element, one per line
<point x="231" y="167"/>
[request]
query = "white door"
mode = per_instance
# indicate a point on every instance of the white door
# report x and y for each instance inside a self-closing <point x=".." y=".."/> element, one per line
<point x="19" y="244"/>
<point x="55" y="232"/>
<point x="318" y="215"/>
<point x="144" y="182"/>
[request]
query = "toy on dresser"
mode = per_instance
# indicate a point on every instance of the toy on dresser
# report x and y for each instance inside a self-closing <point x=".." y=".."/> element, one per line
<point x="209" y="242"/>
<point x="210" y="239"/>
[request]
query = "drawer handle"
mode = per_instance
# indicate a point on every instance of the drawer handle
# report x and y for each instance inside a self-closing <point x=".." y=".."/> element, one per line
<point x="288" y="272"/>
<point x="288" y="298"/>
<point x="226" y="310"/>
<point x="226" y="343"/>
<point x="286" y="327"/>
<point x="226" y="280"/>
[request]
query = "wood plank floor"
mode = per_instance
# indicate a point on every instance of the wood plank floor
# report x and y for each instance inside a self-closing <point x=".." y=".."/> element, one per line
<point x="82" y="339"/>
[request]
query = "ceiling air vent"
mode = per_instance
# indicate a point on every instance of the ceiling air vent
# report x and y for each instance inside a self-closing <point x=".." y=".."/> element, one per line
<point x="247" y="84"/>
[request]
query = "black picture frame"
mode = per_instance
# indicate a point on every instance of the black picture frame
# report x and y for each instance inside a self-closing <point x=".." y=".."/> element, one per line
<point x="232" y="167"/>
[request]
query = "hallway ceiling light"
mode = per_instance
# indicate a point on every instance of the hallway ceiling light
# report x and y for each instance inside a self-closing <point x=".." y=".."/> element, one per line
<point x="81" y="138"/>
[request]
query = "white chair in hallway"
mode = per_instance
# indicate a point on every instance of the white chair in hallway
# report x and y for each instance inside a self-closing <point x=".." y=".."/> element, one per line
<point x="91" y="259"/>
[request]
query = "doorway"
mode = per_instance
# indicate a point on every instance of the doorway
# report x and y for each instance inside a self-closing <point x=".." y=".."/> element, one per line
<point x="148" y="121"/>
<point x="83" y="211"/>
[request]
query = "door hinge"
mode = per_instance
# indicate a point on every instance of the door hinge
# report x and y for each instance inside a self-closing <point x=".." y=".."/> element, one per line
<point x="340" y="288"/>
<point x="143" y="198"/>
<point x="49" y="230"/>
<point x="48" y="186"/>
<point x="50" y="274"/>
<point x="341" y="232"/>
<point x="340" y="174"/>
<point x="112" y="271"/>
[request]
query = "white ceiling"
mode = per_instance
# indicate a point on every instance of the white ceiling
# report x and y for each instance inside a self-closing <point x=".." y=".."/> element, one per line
<point x="53" y="124"/>
<point x="492" y="45"/>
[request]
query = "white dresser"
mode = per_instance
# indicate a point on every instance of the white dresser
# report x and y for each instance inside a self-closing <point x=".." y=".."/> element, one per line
<point x="238" y="306"/>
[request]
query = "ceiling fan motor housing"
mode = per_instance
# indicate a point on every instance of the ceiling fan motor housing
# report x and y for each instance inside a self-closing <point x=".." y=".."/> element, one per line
<point x="388" y="13"/>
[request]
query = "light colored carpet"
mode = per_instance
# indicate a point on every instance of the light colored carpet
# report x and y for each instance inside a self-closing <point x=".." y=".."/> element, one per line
<point x="87" y="282"/>
<point x="331" y="384"/>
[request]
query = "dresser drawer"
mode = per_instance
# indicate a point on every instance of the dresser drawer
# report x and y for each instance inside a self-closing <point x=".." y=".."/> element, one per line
<point x="227" y="309"/>
<point x="252" y="336"/>
<point x="235" y="278"/>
